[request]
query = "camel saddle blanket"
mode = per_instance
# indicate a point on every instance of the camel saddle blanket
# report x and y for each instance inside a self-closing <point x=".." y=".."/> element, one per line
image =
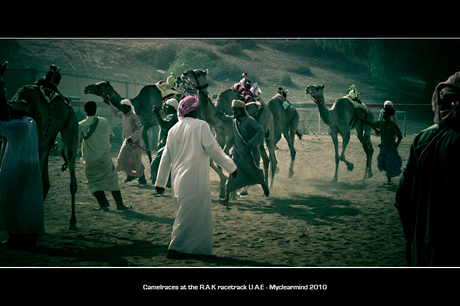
<point x="166" y="90"/>
<point x="286" y="105"/>
<point x="356" y="104"/>
<point x="50" y="95"/>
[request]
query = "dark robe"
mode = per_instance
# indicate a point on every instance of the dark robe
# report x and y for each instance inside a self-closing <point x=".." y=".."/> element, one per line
<point x="247" y="131"/>
<point x="427" y="198"/>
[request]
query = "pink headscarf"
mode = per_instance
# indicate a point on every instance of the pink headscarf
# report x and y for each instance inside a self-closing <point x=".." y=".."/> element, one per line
<point x="453" y="82"/>
<point x="188" y="105"/>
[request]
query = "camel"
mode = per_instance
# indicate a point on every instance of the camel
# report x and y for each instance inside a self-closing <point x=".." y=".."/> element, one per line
<point x="341" y="119"/>
<point x="52" y="118"/>
<point x="197" y="78"/>
<point x="143" y="103"/>
<point x="286" y="122"/>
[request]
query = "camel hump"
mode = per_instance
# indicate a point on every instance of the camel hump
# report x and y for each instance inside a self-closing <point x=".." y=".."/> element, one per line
<point x="27" y="90"/>
<point x="224" y="100"/>
<point x="356" y="104"/>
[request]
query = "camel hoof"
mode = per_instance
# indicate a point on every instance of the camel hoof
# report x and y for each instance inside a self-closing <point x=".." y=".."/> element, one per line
<point x="223" y="202"/>
<point x="350" y="167"/>
<point x="369" y="175"/>
<point x="334" y="180"/>
<point x="73" y="227"/>
<point x="233" y="196"/>
<point x="291" y="174"/>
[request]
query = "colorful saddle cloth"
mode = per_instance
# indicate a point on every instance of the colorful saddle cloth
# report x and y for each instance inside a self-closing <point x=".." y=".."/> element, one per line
<point x="286" y="105"/>
<point x="166" y="90"/>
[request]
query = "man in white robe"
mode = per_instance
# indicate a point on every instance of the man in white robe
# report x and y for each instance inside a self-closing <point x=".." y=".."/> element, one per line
<point x="100" y="171"/>
<point x="21" y="188"/>
<point x="130" y="156"/>
<point x="187" y="153"/>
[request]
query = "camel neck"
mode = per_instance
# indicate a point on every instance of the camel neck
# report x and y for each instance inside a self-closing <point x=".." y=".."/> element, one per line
<point x="208" y="109"/>
<point x="323" y="112"/>
<point x="116" y="100"/>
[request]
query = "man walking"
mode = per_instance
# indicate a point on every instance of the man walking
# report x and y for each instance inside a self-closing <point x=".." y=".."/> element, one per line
<point x="130" y="156"/>
<point x="248" y="135"/>
<point x="187" y="153"/>
<point x="100" y="171"/>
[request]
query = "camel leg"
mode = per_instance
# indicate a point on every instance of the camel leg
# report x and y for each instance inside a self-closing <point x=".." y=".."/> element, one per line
<point x="368" y="149"/>
<point x="70" y="140"/>
<point x="45" y="175"/>
<point x="345" y="141"/>
<point x="223" y="179"/>
<point x="335" y="140"/>
<point x="145" y="138"/>
<point x="73" y="191"/>
<point x="289" y="136"/>
<point x="272" y="157"/>
<point x="265" y="160"/>
<point x="370" y="152"/>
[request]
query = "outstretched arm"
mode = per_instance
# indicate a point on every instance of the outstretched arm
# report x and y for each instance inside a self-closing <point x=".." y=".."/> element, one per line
<point x="214" y="151"/>
<point x="222" y="116"/>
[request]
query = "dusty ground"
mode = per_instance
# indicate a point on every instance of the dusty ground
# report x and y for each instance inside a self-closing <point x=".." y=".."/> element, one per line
<point x="306" y="222"/>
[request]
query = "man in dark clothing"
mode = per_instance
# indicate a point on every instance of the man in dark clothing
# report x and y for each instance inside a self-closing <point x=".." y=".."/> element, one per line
<point x="51" y="80"/>
<point x="426" y="197"/>
<point x="388" y="159"/>
<point x="170" y="109"/>
<point x="248" y="135"/>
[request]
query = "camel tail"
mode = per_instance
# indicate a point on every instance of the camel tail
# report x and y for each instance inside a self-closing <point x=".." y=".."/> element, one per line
<point x="298" y="134"/>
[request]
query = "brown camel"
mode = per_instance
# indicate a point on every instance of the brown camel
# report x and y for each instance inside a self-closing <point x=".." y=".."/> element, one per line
<point x="52" y="118"/>
<point x="286" y="122"/>
<point x="143" y="103"/>
<point x="341" y="119"/>
<point x="197" y="78"/>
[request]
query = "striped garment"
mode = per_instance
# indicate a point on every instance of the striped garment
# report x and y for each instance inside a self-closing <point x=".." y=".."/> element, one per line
<point x="240" y="90"/>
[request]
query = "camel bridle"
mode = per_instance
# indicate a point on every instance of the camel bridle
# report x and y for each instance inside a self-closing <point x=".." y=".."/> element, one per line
<point x="198" y="83"/>
<point x="101" y="94"/>
<point x="313" y="96"/>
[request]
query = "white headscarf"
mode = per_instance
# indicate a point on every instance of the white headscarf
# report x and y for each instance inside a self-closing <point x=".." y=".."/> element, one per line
<point x="388" y="103"/>
<point x="128" y="102"/>
<point x="173" y="102"/>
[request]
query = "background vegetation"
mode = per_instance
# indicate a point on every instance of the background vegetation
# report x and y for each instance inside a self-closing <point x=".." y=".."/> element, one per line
<point x="431" y="60"/>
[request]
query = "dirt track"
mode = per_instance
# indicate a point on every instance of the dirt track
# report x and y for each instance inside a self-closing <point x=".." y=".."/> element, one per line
<point x="307" y="221"/>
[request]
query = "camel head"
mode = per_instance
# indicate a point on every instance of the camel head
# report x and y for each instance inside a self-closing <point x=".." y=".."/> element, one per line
<point x="102" y="89"/>
<point x="196" y="78"/>
<point x="316" y="92"/>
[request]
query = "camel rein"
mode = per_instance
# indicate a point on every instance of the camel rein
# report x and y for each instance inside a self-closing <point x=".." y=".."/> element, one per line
<point x="316" y="101"/>
<point x="198" y="83"/>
